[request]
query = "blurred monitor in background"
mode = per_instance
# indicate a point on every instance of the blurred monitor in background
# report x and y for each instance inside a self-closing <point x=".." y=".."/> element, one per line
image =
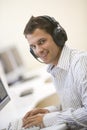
<point x="12" y="64"/>
<point x="10" y="59"/>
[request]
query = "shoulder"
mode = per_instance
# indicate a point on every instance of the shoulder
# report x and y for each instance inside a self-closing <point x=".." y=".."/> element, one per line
<point x="79" y="66"/>
<point x="79" y="59"/>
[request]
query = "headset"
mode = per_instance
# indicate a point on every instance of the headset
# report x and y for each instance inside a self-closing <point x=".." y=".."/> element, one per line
<point x="59" y="35"/>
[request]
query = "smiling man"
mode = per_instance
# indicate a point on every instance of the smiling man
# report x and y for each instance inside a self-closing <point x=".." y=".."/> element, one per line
<point x="68" y="67"/>
<point x="43" y="46"/>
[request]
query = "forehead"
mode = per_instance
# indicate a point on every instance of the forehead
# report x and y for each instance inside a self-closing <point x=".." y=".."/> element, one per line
<point x="36" y="35"/>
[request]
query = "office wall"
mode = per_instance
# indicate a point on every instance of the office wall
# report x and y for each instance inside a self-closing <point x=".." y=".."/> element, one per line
<point x="72" y="15"/>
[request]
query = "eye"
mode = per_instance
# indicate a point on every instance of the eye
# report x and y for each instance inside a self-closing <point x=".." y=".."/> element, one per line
<point x="32" y="47"/>
<point x="42" y="41"/>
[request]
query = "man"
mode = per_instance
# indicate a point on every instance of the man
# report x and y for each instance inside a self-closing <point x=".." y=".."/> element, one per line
<point x="68" y="67"/>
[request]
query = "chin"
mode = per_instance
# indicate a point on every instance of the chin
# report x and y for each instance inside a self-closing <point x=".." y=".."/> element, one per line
<point x="46" y="62"/>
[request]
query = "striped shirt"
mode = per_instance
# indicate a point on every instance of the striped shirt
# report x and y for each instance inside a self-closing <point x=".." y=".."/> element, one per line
<point x="70" y="80"/>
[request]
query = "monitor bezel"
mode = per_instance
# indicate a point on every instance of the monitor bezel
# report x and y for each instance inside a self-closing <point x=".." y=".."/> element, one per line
<point x="6" y="99"/>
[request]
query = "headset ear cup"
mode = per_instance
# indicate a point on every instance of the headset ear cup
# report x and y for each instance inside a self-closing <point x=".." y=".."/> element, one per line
<point x="59" y="36"/>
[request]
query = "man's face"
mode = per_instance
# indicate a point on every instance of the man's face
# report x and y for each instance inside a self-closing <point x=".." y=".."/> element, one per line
<point x="44" y="46"/>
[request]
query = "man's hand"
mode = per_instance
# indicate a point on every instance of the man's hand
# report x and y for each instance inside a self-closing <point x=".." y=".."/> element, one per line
<point x="34" y="117"/>
<point x="35" y="120"/>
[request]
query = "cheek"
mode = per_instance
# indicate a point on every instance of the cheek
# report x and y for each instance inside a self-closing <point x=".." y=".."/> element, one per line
<point x="53" y="48"/>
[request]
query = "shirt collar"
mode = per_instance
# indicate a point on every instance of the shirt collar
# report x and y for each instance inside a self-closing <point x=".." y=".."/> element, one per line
<point x="64" y="60"/>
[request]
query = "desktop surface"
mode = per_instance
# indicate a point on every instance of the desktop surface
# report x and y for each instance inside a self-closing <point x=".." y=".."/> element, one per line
<point x="18" y="106"/>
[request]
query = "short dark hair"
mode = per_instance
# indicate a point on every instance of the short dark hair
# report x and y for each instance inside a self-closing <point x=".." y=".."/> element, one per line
<point x="49" y="25"/>
<point x="38" y="22"/>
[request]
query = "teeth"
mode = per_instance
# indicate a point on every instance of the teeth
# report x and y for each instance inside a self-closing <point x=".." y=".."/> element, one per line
<point x="44" y="55"/>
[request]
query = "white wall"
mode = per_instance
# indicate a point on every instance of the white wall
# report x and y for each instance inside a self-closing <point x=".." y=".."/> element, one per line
<point x="14" y="14"/>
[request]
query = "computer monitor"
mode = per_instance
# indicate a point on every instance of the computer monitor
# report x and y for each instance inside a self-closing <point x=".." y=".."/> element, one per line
<point x="4" y="97"/>
<point x="12" y="64"/>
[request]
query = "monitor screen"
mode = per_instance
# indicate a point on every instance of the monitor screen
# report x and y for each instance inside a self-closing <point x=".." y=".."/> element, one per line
<point x="4" y="97"/>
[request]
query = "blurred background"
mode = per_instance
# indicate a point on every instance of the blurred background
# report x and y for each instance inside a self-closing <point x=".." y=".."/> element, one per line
<point x="14" y="14"/>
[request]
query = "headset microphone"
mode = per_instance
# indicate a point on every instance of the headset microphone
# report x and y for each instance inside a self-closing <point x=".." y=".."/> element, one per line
<point x="35" y="56"/>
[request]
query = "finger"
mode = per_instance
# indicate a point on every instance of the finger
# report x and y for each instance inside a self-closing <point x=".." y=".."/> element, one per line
<point x="26" y="115"/>
<point x="28" y="120"/>
<point x="38" y="111"/>
<point x="36" y="118"/>
<point x="32" y="122"/>
<point x="35" y="111"/>
<point x="30" y="125"/>
<point x="30" y="113"/>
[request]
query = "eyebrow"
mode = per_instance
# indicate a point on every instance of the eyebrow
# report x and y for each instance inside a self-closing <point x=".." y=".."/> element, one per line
<point x="31" y="45"/>
<point x="39" y="40"/>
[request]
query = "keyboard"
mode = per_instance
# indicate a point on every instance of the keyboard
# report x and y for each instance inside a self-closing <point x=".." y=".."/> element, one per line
<point x="17" y="125"/>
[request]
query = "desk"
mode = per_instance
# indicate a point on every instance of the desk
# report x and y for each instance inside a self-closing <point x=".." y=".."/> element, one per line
<point x="18" y="106"/>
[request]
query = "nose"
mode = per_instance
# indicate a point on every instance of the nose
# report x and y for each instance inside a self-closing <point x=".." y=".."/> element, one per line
<point x="39" y="50"/>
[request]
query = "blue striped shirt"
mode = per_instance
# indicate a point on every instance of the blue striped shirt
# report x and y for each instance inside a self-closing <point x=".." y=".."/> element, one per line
<point x="70" y="80"/>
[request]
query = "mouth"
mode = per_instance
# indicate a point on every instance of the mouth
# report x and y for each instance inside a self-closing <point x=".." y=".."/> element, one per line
<point x="44" y="56"/>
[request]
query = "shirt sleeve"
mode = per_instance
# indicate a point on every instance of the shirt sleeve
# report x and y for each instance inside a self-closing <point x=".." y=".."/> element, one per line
<point x="71" y="117"/>
<point x="54" y="108"/>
